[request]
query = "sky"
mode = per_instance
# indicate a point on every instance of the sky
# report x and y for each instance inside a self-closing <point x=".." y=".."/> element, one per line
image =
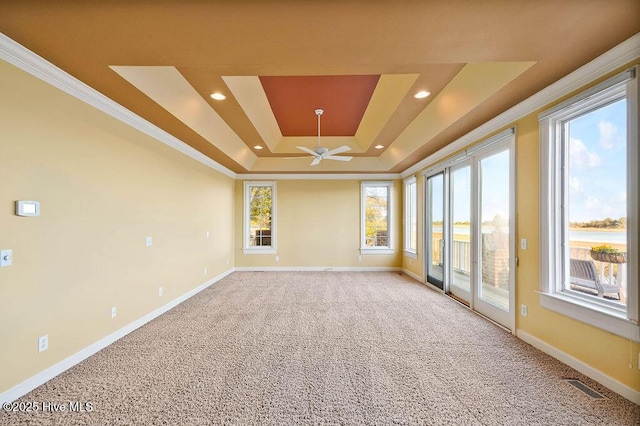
<point x="494" y="190"/>
<point x="597" y="172"/>
<point x="597" y="164"/>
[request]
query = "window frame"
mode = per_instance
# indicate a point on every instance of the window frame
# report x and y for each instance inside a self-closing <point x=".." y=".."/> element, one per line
<point x="410" y="216"/>
<point x="389" y="248"/>
<point x="553" y="234"/>
<point x="246" y="240"/>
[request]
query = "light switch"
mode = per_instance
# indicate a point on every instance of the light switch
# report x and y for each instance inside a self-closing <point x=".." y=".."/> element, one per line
<point x="523" y="243"/>
<point x="27" y="208"/>
<point x="149" y="241"/>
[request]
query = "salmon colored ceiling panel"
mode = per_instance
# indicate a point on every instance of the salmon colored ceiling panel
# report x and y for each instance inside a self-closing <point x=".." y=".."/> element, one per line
<point x="295" y="99"/>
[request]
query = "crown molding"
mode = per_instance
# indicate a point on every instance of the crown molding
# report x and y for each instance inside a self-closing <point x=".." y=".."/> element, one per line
<point x="319" y="176"/>
<point x="609" y="61"/>
<point x="21" y="57"/>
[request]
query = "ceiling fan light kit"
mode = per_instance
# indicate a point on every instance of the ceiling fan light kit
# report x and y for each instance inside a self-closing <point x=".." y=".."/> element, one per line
<point x="321" y="153"/>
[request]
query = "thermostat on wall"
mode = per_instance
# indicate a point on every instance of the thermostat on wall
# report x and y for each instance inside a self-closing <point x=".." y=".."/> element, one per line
<point x="27" y="208"/>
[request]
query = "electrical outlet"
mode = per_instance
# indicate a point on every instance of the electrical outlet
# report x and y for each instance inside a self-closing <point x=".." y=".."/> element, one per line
<point x="227" y="261"/>
<point x="6" y="257"/>
<point x="359" y="258"/>
<point x="43" y="343"/>
<point x="113" y="312"/>
<point x="205" y="271"/>
<point x="523" y="310"/>
<point x="277" y="258"/>
<point x="207" y="234"/>
<point x="160" y="292"/>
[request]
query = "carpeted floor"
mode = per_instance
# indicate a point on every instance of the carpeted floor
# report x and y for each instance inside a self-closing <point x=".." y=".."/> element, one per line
<point x="323" y="348"/>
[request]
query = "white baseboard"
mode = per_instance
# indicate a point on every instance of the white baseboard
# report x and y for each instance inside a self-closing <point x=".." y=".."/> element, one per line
<point x="597" y="375"/>
<point x="413" y="275"/>
<point x="48" y="374"/>
<point x="317" y="269"/>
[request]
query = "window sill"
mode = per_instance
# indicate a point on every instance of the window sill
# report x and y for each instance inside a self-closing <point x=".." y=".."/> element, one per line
<point x="602" y="317"/>
<point x="411" y="254"/>
<point x="381" y="250"/>
<point x="259" y="251"/>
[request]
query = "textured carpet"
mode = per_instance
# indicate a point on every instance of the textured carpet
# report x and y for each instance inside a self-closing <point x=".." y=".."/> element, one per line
<point x="323" y="348"/>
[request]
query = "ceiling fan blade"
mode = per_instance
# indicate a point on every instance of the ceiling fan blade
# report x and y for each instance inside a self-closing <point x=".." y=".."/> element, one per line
<point x="338" y="157"/>
<point x="316" y="161"/>
<point x="307" y="150"/>
<point x="338" y="150"/>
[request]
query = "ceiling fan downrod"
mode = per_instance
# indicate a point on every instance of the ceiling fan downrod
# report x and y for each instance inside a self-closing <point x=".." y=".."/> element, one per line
<point x="320" y="153"/>
<point x="319" y="112"/>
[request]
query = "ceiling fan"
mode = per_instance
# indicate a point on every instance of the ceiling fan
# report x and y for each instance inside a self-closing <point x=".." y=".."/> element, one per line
<point x="321" y="153"/>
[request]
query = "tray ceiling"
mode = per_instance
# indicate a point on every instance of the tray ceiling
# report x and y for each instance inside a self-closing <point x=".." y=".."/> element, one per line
<point x="277" y="61"/>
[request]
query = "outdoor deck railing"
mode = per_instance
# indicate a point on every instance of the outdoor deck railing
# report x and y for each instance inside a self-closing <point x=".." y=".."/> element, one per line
<point x="461" y="254"/>
<point x="610" y="273"/>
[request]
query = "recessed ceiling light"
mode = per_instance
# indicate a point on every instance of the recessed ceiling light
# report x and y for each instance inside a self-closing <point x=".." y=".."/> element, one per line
<point x="218" y="96"/>
<point x="257" y="147"/>
<point x="421" y="94"/>
<point x="379" y="146"/>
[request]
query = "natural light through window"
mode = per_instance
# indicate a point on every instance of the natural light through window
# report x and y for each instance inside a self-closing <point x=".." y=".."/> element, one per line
<point x="259" y="217"/>
<point x="494" y="228"/>
<point x="461" y="213"/>
<point x="596" y="186"/>
<point x="411" y="216"/>
<point x="376" y="217"/>
<point x="589" y="157"/>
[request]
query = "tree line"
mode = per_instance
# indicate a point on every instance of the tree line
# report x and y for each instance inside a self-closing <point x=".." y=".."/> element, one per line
<point x="607" y="223"/>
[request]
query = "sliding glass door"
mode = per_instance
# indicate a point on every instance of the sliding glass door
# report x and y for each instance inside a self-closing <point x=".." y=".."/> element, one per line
<point x="460" y="220"/>
<point x="435" y="230"/>
<point x="495" y="235"/>
<point x="469" y="226"/>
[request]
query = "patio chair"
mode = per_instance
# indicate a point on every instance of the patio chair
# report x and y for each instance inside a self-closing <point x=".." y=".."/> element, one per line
<point x="583" y="273"/>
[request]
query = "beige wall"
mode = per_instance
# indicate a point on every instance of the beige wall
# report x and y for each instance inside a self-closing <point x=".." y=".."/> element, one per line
<point x="103" y="188"/>
<point x="318" y="224"/>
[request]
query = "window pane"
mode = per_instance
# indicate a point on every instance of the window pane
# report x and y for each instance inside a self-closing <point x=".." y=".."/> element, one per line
<point x="376" y="216"/>
<point x="435" y="230"/>
<point x="412" y="222"/>
<point x="596" y="194"/>
<point x="494" y="229"/>
<point x="260" y="216"/>
<point x="461" y="213"/>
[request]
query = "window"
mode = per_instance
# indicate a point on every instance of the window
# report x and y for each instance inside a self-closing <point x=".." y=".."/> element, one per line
<point x="376" y="218"/>
<point x="259" y="218"/>
<point x="411" y="217"/>
<point x="589" y="206"/>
